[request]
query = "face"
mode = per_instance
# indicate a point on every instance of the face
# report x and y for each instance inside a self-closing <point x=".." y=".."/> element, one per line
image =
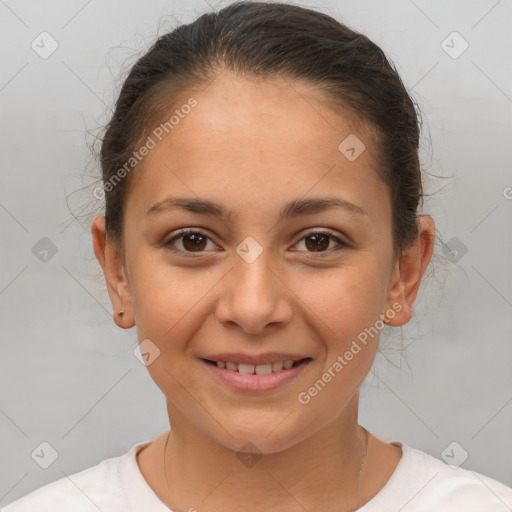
<point x="281" y="276"/>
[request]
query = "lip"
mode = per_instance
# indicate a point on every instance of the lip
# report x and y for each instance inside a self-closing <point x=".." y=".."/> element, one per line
<point x="265" y="358"/>
<point x="253" y="383"/>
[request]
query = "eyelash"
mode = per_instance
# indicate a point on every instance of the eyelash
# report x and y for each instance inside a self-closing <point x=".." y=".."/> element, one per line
<point x="191" y="231"/>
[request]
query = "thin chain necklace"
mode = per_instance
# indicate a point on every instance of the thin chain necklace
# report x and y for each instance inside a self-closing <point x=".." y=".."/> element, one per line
<point x="358" y="475"/>
<point x="365" y="433"/>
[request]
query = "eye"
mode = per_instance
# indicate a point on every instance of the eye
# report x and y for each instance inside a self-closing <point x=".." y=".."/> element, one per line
<point x="192" y="242"/>
<point x="320" y="242"/>
<point x="189" y="241"/>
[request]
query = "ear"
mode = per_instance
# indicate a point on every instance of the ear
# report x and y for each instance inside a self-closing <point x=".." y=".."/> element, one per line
<point x="408" y="272"/>
<point x="115" y="274"/>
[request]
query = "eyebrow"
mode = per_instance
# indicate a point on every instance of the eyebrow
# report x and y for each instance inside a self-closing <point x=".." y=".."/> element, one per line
<point x="290" y="210"/>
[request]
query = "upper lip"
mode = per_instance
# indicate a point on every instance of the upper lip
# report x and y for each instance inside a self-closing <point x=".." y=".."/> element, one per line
<point x="266" y="358"/>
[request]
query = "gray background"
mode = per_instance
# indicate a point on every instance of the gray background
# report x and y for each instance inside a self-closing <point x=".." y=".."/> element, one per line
<point x="69" y="375"/>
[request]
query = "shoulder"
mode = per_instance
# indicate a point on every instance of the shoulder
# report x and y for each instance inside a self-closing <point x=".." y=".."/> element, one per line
<point x="422" y="482"/>
<point x="95" y="488"/>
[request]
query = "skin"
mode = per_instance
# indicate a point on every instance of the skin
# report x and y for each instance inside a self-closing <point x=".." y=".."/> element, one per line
<point x="253" y="145"/>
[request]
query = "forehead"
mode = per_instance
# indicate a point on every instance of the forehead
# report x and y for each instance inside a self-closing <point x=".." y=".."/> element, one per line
<point x="260" y="141"/>
<point x="270" y="112"/>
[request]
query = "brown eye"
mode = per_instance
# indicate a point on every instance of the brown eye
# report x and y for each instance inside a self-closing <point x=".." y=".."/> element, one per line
<point x="188" y="242"/>
<point x="320" y="242"/>
<point x="193" y="242"/>
<point x="317" y="242"/>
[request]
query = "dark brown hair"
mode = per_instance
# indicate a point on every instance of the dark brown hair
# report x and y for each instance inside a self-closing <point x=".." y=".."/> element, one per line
<point x="271" y="40"/>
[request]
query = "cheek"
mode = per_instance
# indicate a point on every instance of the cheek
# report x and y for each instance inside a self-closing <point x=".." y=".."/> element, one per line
<point x="345" y="300"/>
<point x="171" y="304"/>
<point x="346" y="306"/>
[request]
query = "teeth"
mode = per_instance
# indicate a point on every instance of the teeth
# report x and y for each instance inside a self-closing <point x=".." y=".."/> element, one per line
<point x="263" y="369"/>
<point x="277" y="366"/>
<point x="258" y="369"/>
<point x="245" y="368"/>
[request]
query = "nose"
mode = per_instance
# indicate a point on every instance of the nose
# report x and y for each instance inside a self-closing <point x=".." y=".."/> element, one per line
<point x="253" y="298"/>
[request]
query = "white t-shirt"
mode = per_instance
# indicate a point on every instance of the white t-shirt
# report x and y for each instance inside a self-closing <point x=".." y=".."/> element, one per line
<point x="420" y="483"/>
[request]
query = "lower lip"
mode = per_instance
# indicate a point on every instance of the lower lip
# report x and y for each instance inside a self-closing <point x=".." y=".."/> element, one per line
<point x="254" y="382"/>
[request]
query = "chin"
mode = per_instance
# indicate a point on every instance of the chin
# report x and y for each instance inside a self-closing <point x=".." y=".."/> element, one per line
<point x="260" y="438"/>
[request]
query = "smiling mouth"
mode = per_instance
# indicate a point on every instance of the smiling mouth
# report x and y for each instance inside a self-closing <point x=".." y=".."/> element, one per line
<point x="258" y="369"/>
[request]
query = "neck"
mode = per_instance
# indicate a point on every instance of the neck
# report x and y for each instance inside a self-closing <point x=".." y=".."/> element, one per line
<point x="321" y="473"/>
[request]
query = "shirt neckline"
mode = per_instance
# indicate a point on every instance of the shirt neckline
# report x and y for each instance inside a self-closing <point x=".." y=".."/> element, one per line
<point x="140" y="495"/>
<point x="395" y="484"/>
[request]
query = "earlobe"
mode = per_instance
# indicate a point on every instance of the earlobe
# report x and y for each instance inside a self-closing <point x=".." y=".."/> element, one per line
<point x="115" y="276"/>
<point x="409" y="271"/>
